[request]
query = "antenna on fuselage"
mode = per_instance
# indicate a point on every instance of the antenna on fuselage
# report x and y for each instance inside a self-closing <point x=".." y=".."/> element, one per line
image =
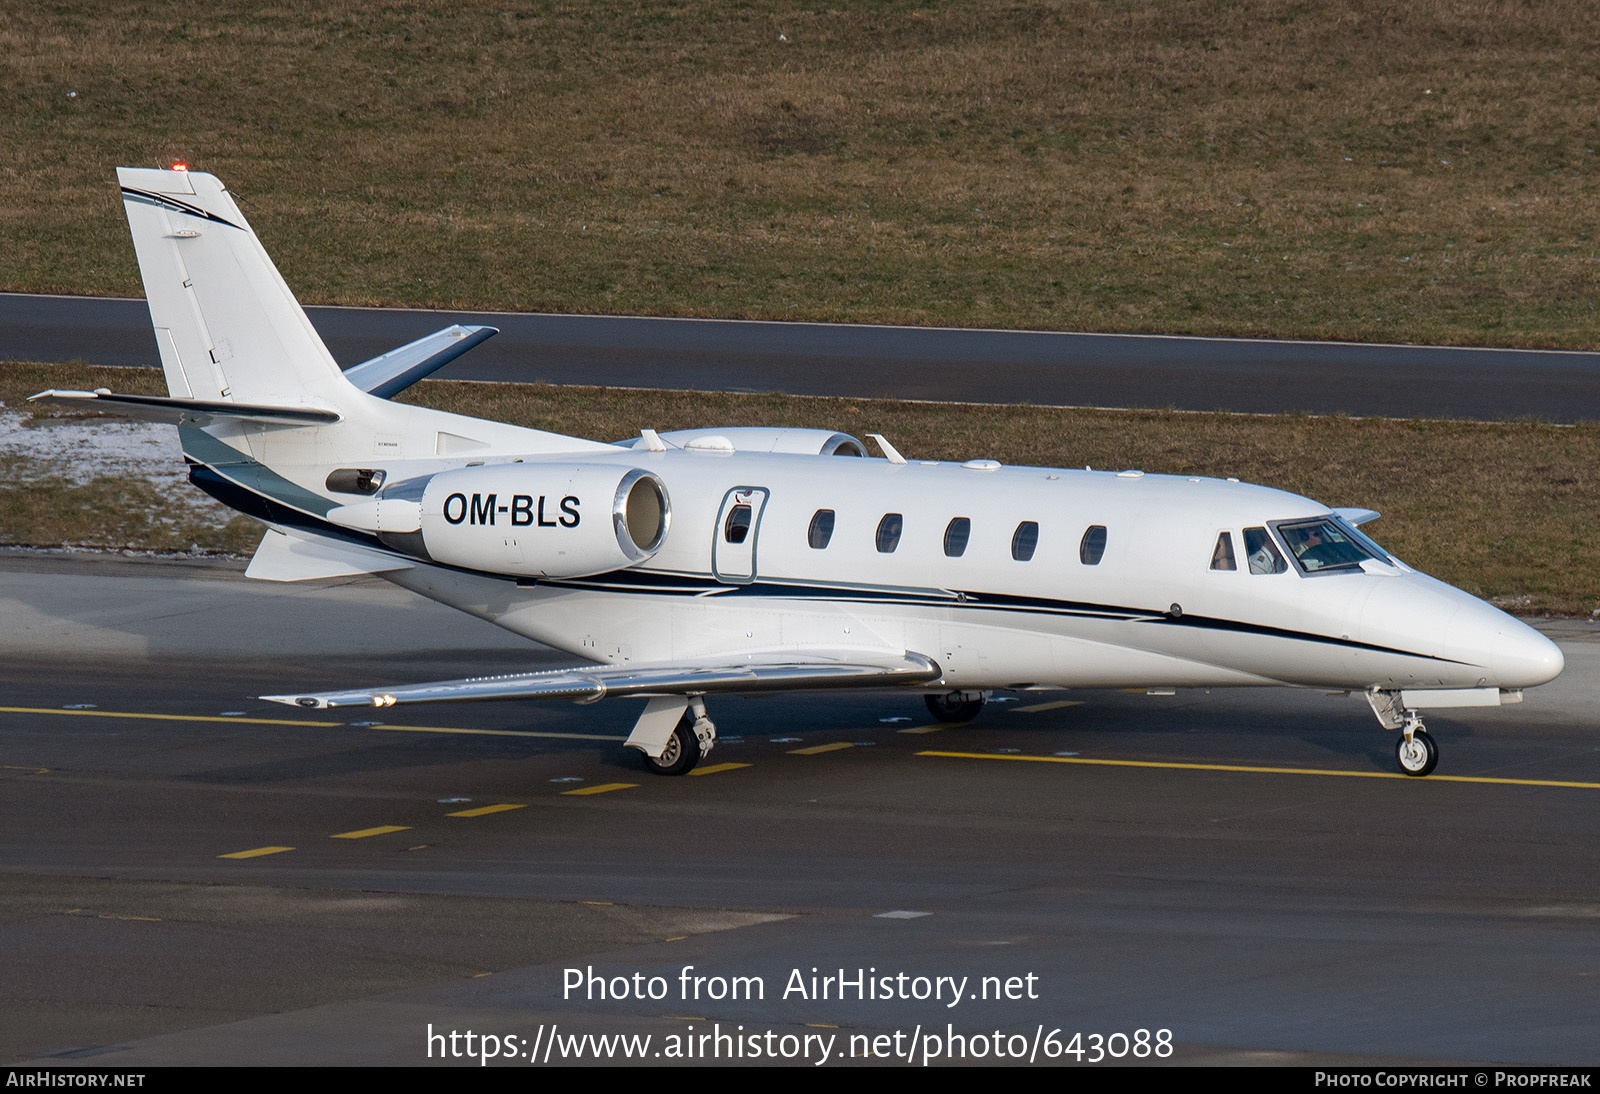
<point x="889" y="451"/>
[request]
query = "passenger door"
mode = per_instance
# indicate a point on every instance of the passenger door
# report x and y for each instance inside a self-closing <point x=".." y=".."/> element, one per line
<point x="733" y="552"/>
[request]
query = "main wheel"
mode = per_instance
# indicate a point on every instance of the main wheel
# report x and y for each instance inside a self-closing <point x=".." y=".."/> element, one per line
<point x="953" y="706"/>
<point x="680" y="755"/>
<point x="1418" y="756"/>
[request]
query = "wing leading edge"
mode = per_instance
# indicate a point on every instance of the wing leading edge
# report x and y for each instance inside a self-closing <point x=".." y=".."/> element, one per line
<point x="781" y="672"/>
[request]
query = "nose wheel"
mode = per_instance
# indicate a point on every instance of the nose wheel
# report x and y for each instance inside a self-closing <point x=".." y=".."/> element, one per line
<point x="1417" y="753"/>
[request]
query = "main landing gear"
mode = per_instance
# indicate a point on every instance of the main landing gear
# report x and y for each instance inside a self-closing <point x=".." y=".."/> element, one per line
<point x="956" y="706"/>
<point x="681" y="754"/>
<point x="1415" y="751"/>
<point x="674" y="734"/>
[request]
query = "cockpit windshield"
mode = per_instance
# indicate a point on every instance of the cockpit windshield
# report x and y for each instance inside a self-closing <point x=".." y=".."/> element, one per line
<point x="1326" y="544"/>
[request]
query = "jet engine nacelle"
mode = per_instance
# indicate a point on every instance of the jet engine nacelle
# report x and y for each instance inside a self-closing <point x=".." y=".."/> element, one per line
<point x="752" y="438"/>
<point x="542" y="519"/>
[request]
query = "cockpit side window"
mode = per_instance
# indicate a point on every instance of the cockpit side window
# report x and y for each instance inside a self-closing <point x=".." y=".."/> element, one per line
<point x="1264" y="555"/>
<point x="1222" y="554"/>
<point x="1323" y="545"/>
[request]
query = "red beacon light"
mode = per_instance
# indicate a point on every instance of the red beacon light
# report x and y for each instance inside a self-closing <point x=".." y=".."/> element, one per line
<point x="180" y="167"/>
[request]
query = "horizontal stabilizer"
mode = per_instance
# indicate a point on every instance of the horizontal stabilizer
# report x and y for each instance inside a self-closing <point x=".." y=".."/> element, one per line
<point x="587" y="684"/>
<point x="161" y="408"/>
<point x="393" y="372"/>
<point x="283" y="557"/>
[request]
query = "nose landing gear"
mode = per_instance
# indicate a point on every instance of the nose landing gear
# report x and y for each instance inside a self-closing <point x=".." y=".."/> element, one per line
<point x="1415" y="752"/>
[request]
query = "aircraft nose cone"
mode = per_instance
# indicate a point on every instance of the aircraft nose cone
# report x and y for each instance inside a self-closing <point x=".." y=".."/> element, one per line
<point x="1524" y="658"/>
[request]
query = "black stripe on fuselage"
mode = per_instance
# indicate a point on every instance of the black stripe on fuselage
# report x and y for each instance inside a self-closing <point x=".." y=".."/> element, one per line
<point x="651" y="583"/>
<point x="645" y="582"/>
<point x="254" y="504"/>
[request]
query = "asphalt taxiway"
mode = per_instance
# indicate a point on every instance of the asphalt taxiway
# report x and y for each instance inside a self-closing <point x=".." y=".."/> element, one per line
<point x="193" y="876"/>
<point x="1047" y="368"/>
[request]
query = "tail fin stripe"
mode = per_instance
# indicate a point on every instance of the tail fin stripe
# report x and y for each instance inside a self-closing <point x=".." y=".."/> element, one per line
<point x="175" y="204"/>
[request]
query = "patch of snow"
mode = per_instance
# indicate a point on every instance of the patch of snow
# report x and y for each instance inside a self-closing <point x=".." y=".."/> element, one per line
<point x="82" y="450"/>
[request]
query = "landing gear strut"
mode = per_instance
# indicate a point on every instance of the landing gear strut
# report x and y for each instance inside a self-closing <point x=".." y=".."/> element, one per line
<point x="1415" y="751"/>
<point x="956" y="706"/>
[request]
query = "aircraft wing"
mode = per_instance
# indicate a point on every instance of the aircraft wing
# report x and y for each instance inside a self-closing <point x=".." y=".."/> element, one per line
<point x="587" y="684"/>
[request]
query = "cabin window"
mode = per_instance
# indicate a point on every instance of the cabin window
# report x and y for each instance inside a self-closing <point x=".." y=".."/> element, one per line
<point x="889" y="529"/>
<point x="737" y="527"/>
<point x="956" y="534"/>
<point x="1025" y="540"/>
<point x="1093" y="546"/>
<point x="821" y="530"/>
<point x="1222" y="556"/>
<point x="1263" y="553"/>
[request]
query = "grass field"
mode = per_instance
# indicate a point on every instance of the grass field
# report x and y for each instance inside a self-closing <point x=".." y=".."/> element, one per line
<point x="1504" y="510"/>
<point x="1417" y="172"/>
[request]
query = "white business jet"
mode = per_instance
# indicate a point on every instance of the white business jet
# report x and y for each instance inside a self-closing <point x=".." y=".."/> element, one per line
<point x="686" y="564"/>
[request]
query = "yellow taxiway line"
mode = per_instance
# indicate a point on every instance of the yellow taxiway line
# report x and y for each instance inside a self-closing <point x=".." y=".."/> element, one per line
<point x="301" y="722"/>
<point x="817" y="750"/>
<point x="257" y="852"/>
<point x="167" y="717"/>
<point x="1262" y="770"/>
<point x="485" y="810"/>
<point x="363" y="833"/>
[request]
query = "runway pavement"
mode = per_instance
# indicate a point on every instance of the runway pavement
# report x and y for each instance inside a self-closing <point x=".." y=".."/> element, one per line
<point x="1044" y="368"/>
<point x="194" y="876"/>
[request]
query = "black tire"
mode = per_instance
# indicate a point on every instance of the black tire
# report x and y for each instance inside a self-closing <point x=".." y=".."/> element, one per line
<point x="1420" y="758"/>
<point x="680" y="755"/>
<point x="951" y="708"/>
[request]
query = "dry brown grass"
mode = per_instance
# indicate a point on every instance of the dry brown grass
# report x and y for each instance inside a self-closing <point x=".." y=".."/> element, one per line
<point x="1504" y="510"/>
<point x="1418" y="172"/>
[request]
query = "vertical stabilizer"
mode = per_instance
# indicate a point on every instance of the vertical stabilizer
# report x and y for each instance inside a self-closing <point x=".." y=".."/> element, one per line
<point x="227" y="326"/>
